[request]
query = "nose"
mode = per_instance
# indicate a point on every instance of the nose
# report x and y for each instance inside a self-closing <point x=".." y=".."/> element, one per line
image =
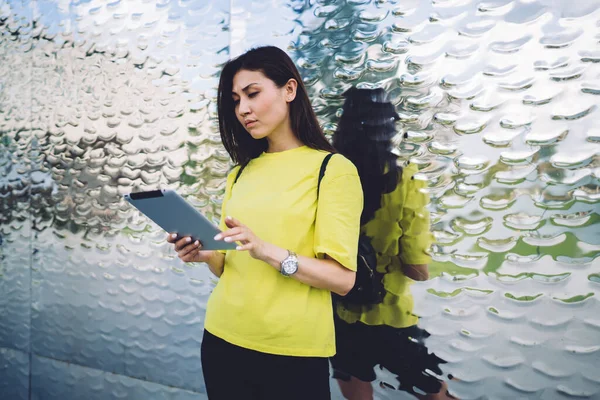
<point x="243" y="108"/>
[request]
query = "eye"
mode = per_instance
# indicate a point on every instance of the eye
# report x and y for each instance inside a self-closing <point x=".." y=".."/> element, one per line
<point x="252" y="95"/>
<point x="236" y="102"/>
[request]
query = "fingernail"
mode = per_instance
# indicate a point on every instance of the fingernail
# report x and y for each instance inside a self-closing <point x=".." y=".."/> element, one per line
<point x="228" y="239"/>
<point x="188" y="239"/>
<point x="196" y="243"/>
<point x="238" y="247"/>
<point x="218" y="237"/>
<point x="228" y="217"/>
<point x="174" y="235"/>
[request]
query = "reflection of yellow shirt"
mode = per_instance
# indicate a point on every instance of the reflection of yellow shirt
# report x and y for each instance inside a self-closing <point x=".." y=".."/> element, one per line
<point x="402" y="223"/>
<point x="253" y="305"/>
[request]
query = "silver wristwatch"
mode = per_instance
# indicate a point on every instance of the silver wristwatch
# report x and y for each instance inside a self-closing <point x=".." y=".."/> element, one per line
<point x="289" y="266"/>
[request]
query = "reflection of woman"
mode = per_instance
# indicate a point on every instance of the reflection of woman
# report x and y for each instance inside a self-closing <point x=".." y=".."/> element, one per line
<point x="397" y="222"/>
<point x="269" y="326"/>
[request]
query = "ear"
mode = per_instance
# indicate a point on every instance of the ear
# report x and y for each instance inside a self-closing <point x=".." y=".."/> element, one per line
<point x="290" y="90"/>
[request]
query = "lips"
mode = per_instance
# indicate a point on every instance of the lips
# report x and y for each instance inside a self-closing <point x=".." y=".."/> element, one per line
<point x="250" y="123"/>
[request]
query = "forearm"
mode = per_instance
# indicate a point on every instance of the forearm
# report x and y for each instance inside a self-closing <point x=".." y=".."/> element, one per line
<point x="417" y="272"/>
<point x="323" y="274"/>
<point x="216" y="263"/>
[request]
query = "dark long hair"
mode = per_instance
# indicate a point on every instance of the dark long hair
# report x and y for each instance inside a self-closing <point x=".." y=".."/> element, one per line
<point x="364" y="136"/>
<point x="276" y="65"/>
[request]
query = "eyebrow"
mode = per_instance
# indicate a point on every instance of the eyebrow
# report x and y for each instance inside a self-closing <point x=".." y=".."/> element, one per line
<point x="245" y="89"/>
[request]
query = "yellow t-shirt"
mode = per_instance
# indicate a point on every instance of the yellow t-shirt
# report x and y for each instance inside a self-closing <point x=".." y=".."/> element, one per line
<point x="253" y="305"/>
<point x="401" y="224"/>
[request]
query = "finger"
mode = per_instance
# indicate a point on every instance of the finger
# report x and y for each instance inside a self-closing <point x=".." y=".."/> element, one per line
<point x="232" y="232"/>
<point x="232" y="222"/>
<point x="190" y="257"/>
<point x="237" y="238"/>
<point x="227" y="233"/>
<point x="171" y="237"/>
<point x="188" y="248"/>
<point x="187" y="256"/>
<point x="181" y="243"/>
<point x="244" y="247"/>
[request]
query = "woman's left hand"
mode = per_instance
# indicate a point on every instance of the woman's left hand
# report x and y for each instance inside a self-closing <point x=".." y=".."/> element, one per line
<point x="239" y="232"/>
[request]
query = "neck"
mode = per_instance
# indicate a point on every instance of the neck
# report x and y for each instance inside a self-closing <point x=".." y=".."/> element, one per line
<point x="283" y="139"/>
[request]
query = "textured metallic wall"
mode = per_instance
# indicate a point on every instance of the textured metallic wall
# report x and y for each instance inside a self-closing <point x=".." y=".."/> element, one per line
<point x="499" y="105"/>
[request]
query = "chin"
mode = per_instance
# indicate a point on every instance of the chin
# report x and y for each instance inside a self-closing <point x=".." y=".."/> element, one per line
<point x="257" y="134"/>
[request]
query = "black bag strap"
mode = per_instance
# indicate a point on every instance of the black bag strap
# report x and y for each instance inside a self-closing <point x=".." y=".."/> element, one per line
<point x="322" y="171"/>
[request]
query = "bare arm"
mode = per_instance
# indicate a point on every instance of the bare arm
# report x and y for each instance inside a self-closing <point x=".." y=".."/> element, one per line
<point x="216" y="263"/>
<point x="417" y="272"/>
<point x="323" y="274"/>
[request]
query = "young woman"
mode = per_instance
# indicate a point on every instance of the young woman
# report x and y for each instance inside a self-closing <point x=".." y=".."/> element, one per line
<point x="396" y="220"/>
<point x="269" y="326"/>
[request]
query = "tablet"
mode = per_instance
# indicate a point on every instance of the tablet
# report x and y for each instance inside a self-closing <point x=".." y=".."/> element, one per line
<point x="175" y="215"/>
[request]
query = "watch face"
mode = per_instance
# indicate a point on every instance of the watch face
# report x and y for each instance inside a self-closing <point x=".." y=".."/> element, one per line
<point x="289" y="267"/>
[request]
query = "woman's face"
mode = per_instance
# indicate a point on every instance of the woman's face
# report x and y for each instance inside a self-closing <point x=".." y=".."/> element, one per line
<point x="260" y="106"/>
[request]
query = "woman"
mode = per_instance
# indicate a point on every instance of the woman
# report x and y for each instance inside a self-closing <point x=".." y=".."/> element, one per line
<point x="396" y="220"/>
<point x="269" y="322"/>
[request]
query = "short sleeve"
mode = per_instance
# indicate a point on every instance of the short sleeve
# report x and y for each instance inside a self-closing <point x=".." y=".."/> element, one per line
<point x="414" y="220"/>
<point x="226" y="196"/>
<point x="339" y="207"/>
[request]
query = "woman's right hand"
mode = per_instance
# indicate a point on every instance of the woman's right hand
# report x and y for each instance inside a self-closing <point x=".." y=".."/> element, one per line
<point x="188" y="251"/>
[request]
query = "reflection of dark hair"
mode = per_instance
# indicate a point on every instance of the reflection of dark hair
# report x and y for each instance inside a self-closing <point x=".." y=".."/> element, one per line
<point x="364" y="136"/>
<point x="276" y="65"/>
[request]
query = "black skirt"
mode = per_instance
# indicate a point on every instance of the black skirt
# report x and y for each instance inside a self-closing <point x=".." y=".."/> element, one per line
<point x="232" y="372"/>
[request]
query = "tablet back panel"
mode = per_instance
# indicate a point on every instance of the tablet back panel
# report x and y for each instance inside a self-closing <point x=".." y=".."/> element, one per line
<point x="175" y="215"/>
